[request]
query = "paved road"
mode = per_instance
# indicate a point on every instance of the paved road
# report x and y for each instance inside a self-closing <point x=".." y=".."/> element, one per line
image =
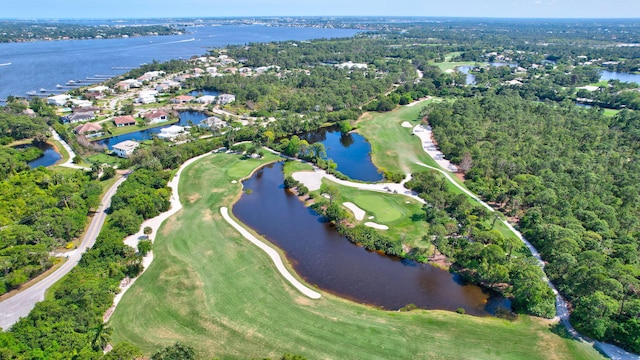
<point x="13" y="308"/>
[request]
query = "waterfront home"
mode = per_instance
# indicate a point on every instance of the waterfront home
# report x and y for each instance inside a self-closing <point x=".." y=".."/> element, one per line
<point x="206" y="99"/>
<point x="155" y="117"/>
<point x="171" y="132"/>
<point x="89" y="130"/>
<point x="213" y="122"/>
<point x="182" y="99"/>
<point x="92" y="95"/>
<point x="128" y="84"/>
<point x="78" y="117"/>
<point x="226" y="98"/>
<point x="58" y="100"/>
<point x="151" y="75"/>
<point x="100" y="89"/>
<point x="125" y="149"/>
<point x="121" y="121"/>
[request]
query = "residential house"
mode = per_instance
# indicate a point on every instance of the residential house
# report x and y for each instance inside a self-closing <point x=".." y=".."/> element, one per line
<point x="182" y="99"/>
<point x="213" y="122"/>
<point x="89" y="130"/>
<point x="351" y="65"/>
<point x="171" y="132"/>
<point x="151" y="75"/>
<point x="212" y="70"/>
<point x="156" y="117"/>
<point x="79" y="109"/>
<point x="78" y="117"/>
<point x="81" y="103"/>
<point x="125" y="149"/>
<point x="128" y="84"/>
<point x="226" y="98"/>
<point x="206" y="99"/>
<point x="146" y="97"/>
<point x="121" y="121"/>
<point x="101" y="89"/>
<point x="58" y="100"/>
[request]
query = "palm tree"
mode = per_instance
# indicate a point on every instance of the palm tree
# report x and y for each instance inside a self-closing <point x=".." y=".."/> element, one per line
<point x="102" y="337"/>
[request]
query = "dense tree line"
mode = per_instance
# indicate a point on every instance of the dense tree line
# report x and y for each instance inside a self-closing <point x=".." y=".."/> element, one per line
<point x="466" y="234"/>
<point x="41" y="211"/>
<point x="570" y="176"/>
<point x="21" y="31"/>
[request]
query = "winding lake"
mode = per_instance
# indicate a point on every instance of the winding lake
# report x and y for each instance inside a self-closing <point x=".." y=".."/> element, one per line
<point x="324" y="258"/>
<point x="187" y="118"/>
<point x="351" y="152"/>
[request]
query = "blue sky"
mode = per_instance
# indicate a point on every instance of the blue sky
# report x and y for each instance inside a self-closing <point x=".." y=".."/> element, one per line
<point x="36" y="9"/>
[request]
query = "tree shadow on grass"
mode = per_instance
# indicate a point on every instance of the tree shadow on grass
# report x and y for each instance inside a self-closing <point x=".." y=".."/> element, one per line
<point x="560" y="330"/>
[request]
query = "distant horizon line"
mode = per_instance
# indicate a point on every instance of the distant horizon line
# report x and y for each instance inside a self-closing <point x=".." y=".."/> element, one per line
<point x="325" y="17"/>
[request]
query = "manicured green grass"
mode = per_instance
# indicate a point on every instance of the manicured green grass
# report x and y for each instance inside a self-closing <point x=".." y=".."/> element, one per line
<point x="395" y="149"/>
<point x="211" y="289"/>
<point x="104" y="159"/>
<point x="402" y="214"/>
<point x="451" y="65"/>
<point x="294" y="166"/>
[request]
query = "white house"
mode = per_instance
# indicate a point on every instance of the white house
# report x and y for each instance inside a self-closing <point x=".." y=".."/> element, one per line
<point x="206" y="99"/>
<point x="125" y="148"/>
<point x="171" y="132"/>
<point x="226" y="98"/>
<point x="155" y="117"/>
<point x="58" y="100"/>
<point x="213" y="122"/>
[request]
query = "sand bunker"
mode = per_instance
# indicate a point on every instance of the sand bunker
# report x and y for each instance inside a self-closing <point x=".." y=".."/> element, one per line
<point x="406" y="124"/>
<point x="376" y="225"/>
<point x="357" y="212"/>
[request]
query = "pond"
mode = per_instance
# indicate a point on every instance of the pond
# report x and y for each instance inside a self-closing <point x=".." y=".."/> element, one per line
<point x="198" y="93"/>
<point x="471" y="79"/>
<point x="326" y="259"/>
<point x="49" y="157"/>
<point x="187" y="118"/>
<point x="623" y="77"/>
<point x="351" y="152"/>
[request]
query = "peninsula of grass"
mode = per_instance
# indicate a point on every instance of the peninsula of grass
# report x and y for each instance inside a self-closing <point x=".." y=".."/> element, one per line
<point x="403" y="215"/>
<point x="211" y="289"/>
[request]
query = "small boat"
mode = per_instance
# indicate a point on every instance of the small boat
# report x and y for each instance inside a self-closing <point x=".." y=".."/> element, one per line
<point x="43" y="90"/>
<point x="5" y="64"/>
<point x="58" y="86"/>
<point x="71" y="82"/>
<point x="32" y="93"/>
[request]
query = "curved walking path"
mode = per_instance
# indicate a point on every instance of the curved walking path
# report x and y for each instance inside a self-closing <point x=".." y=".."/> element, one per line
<point x="19" y="305"/>
<point x="154" y="224"/>
<point x="562" y="307"/>
<point x="275" y="257"/>
<point x="69" y="163"/>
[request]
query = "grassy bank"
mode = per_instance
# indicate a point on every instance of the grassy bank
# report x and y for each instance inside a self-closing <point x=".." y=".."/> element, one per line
<point x="213" y="290"/>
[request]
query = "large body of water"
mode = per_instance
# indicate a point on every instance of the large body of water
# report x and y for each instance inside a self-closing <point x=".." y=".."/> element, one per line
<point x="44" y="64"/>
<point x="187" y="118"/>
<point x="328" y="260"/>
<point x="623" y="77"/>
